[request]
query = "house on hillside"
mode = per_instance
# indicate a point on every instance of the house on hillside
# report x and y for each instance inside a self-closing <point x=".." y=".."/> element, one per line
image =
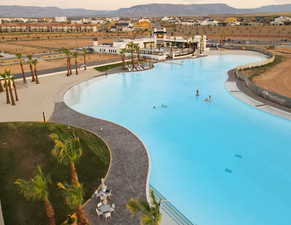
<point x="60" y="19"/>
<point x="124" y="26"/>
<point x="282" y="20"/>
<point x="208" y="22"/>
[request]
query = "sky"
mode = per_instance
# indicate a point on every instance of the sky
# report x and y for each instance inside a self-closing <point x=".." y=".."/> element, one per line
<point x="115" y="4"/>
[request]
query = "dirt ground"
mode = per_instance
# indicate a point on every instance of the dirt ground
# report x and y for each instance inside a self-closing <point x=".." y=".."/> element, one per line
<point x="278" y="78"/>
<point x="46" y="46"/>
<point x="10" y="48"/>
<point x="42" y="65"/>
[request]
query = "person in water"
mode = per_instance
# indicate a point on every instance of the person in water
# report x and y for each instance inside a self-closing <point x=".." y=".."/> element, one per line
<point x="208" y="99"/>
<point x="197" y="92"/>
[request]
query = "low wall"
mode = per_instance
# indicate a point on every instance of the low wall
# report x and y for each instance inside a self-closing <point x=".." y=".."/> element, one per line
<point x="269" y="95"/>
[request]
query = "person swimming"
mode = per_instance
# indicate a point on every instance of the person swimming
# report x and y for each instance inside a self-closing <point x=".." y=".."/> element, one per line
<point x="208" y="99"/>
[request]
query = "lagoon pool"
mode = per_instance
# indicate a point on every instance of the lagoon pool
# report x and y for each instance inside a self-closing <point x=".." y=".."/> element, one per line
<point x="219" y="163"/>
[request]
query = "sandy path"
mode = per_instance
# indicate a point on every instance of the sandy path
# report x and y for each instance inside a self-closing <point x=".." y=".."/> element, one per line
<point x="36" y="99"/>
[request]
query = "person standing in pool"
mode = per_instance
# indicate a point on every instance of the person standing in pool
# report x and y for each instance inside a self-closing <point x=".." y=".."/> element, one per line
<point x="197" y="93"/>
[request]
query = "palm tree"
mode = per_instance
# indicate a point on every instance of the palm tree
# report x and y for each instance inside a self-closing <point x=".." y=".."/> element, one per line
<point x="75" y="55"/>
<point x="151" y="214"/>
<point x="30" y="61"/>
<point x="122" y="53"/>
<point x="68" y="151"/>
<point x="74" y="199"/>
<point x="37" y="189"/>
<point x="20" y="58"/>
<point x="137" y="50"/>
<point x="34" y="63"/>
<point x="5" y="78"/>
<point x="11" y="82"/>
<point x="68" y="54"/>
<point x="85" y="52"/>
<point x="131" y="47"/>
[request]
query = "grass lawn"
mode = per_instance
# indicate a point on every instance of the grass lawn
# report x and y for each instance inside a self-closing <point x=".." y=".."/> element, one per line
<point x="107" y="67"/>
<point x="23" y="146"/>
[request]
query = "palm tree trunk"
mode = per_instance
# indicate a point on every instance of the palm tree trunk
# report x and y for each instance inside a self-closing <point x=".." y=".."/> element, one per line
<point x="15" y="91"/>
<point x="68" y="70"/>
<point x="50" y="212"/>
<point x="7" y="91"/>
<point x="82" y="219"/>
<point x="36" y="76"/>
<point x="76" y="65"/>
<point x="1" y="86"/>
<point x="123" y="61"/>
<point x="85" y="62"/>
<point x="74" y="174"/>
<point x="70" y="67"/>
<point x="11" y="93"/>
<point x="22" y="71"/>
<point x="32" y="73"/>
<point x="132" y="60"/>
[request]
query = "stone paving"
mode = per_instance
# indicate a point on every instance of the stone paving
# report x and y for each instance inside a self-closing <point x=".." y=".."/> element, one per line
<point x="128" y="174"/>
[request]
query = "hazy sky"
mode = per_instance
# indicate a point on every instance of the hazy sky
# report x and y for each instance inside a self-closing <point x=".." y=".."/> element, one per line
<point x="114" y="4"/>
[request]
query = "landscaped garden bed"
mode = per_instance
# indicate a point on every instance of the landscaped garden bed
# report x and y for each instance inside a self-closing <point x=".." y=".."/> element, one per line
<point x="26" y="145"/>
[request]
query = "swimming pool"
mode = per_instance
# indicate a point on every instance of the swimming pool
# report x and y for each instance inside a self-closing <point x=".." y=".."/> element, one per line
<point x="219" y="163"/>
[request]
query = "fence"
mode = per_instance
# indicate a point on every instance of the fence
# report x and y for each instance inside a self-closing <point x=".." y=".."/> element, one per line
<point x="171" y="210"/>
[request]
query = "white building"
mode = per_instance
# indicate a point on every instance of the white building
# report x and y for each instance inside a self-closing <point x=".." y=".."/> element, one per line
<point x="61" y="19"/>
<point x="208" y="22"/>
<point x="282" y="20"/>
<point x="158" y="47"/>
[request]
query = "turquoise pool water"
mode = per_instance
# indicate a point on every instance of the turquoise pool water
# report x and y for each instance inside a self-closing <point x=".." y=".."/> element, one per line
<point x="220" y="163"/>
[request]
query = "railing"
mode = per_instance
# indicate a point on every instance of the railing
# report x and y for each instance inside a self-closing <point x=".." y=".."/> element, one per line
<point x="1" y="215"/>
<point x="171" y="210"/>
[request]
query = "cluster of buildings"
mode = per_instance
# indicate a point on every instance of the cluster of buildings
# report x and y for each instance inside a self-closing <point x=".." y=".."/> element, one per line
<point x="116" y="24"/>
<point x="63" y="24"/>
<point x="47" y="27"/>
<point x="159" y="47"/>
<point x="282" y="20"/>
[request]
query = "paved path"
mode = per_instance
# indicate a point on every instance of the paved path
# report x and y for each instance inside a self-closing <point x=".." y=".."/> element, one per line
<point x="129" y="169"/>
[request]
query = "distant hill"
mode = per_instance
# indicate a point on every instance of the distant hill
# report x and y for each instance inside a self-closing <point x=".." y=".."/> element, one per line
<point x="139" y="10"/>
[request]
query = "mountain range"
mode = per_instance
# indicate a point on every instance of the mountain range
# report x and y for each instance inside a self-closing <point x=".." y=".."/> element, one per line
<point x="139" y="10"/>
